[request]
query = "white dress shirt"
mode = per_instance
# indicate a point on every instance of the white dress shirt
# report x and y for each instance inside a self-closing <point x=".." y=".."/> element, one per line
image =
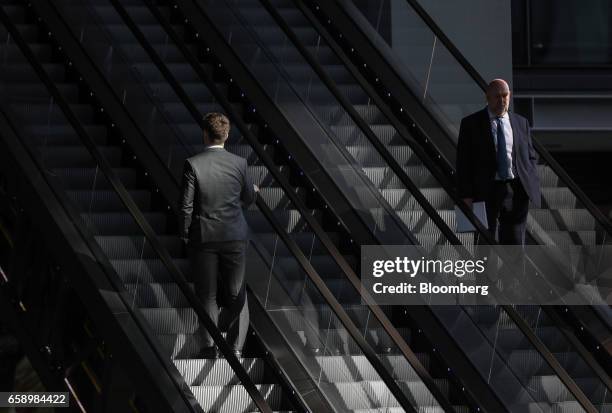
<point x="505" y="119"/>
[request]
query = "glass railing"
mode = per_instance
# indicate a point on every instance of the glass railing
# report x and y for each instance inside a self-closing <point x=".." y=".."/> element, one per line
<point x="301" y="105"/>
<point x="450" y="92"/>
<point x="303" y="304"/>
<point x="428" y="67"/>
<point x="316" y="334"/>
<point x="126" y="80"/>
<point x="289" y="224"/>
<point x="247" y="44"/>
<point x="284" y="54"/>
<point x="95" y="189"/>
<point x="345" y="130"/>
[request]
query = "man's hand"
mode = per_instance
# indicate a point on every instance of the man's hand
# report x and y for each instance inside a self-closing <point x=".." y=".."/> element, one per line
<point x="256" y="188"/>
<point x="468" y="202"/>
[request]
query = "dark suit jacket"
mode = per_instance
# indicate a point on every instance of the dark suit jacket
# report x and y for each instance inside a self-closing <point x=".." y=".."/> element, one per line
<point x="477" y="160"/>
<point x="215" y="189"/>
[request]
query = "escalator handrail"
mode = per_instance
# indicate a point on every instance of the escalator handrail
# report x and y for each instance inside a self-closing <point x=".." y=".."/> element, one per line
<point x="211" y="28"/>
<point x="436" y="172"/>
<point x="332" y="249"/>
<point x="479" y="80"/>
<point x="296" y="251"/>
<point x="397" y="169"/>
<point x="475" y="75"/>
<point x="476" y="223"/>
<point x="114" y="284"/>
<point x="515" y="316"/>
<point x="536" y="342"/>
<point x="139" y="322"/>
<point x="141" y="221"/>
<point x="542" y="349"/>
<point x="119" y="52"/>
<point x="104" y="92"/>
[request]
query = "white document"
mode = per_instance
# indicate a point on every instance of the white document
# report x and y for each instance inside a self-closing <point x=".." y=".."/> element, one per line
<point x="464" y="224"/>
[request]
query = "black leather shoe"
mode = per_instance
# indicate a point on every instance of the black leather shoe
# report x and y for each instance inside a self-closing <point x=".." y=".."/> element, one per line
<point x="208" y="353"/>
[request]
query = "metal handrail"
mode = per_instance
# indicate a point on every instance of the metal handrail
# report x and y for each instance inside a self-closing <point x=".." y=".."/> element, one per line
<point x="341" y="148"/>
<point x="541" y="348"/>
<point x="334" y="253"/>
<point x="139" y="323"/>
<point x="525" y="328"/>
<point x="113" y="280"/>
<point x="431" y="166"/>
<point x="471" y="70"/>
<point x="397" y="169"/>
<point x="265" y="157"/>
<point x="141" y="221"/>
<point x="135" y="136"/>
<point x="468" y="212"/>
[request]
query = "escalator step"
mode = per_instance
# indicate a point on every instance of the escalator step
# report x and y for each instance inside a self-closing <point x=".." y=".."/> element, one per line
<point x="203" y="372"/>
<point x="371" y="394"/>
<point x="88" y="178"/>
<point x="558" y="198"/>
<point x="12" y="53"/>
<point x="402" y="199"/>
<point x="77" y="156"/>
<point x="109" y="201"/>
<point x="349" y="135"/>
<point x="196" y="91"/>
<point x="365" y="156"/>
<point x="384" y="178"/>
<point x="122" y="223"/>
<point x="336" y="369"/>
<point x="138" y="12"/>
<point x="148" y="270"/>
<point x="133" y="247"/>
<point x="23" y="72"/>
<point x="63" y="135"/>
<point x="235" y="399"/>
<point x="533" y="364"/>
<point x="157" y="295"/>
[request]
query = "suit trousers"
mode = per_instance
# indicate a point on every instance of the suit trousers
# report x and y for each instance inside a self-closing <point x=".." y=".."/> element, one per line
<point x="218" y="275"/>
<point x="507" y="207"/>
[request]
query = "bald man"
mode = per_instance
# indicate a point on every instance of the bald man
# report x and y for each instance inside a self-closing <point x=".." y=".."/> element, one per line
<point x="497" y="164"/>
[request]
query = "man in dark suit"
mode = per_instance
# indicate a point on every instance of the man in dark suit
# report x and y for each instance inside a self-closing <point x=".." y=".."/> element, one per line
<point x="216" y="187"/>
<point x="497" y="164"/>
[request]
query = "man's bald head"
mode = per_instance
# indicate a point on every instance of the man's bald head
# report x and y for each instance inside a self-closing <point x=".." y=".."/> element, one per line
<point x="498" y="97"/>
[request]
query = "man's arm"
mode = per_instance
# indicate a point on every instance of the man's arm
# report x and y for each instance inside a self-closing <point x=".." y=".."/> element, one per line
<point x="186" y="201"/>
<point x="465" y="164"/>
<point x="248" y="193"/>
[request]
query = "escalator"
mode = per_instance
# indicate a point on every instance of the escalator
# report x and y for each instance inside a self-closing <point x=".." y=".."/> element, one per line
<point x="335" y="342"/>
<point x="75" y="326"/>
<point x="595" y="388"/>
<point x="560" y="223"/>
<point x="339" y="354"/>
<point x="173" y="326"/>
<point x="128" y="226"/>
<point x="374" y="331"/>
